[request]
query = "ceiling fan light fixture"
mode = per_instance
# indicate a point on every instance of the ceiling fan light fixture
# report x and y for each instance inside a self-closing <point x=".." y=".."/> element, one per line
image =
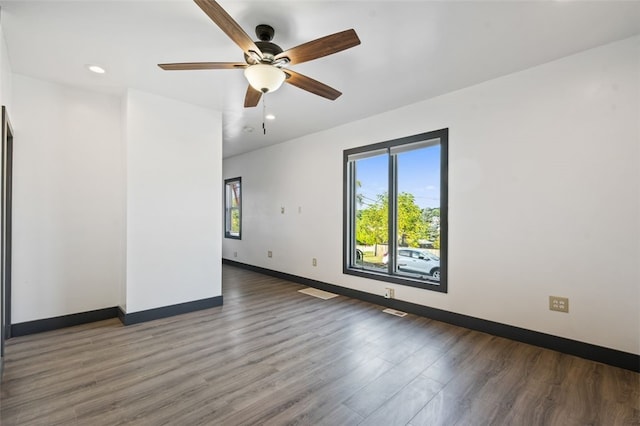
<point x="264" y="78"/>
<point x="264" y="60"/>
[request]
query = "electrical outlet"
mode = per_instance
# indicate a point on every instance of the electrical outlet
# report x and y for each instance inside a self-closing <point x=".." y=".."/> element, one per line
<point x="560" y="304"/>
<point x="269" y="254"/>
<point x="314" y="262"/>
<point x="282" y="210"/>
<point x="389" y="293"/>
<point x="235" y="254"/>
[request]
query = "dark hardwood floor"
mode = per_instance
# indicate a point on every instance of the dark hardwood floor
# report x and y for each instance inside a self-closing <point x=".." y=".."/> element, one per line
<point x="274" y="356"/>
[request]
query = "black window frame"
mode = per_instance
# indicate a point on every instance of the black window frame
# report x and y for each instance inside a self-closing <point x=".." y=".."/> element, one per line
<point x="349" y="250"/>
<point x="227" y="209"/>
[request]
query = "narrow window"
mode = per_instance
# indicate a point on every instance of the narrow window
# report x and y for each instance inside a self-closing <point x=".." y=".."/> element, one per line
<point x="233" y="208"/>
<point x="396" y="210"/>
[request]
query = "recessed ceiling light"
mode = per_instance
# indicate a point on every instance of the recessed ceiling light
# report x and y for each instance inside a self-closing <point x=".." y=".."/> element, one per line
<point x="270" y="117"/>
<point x="95" y="68"/>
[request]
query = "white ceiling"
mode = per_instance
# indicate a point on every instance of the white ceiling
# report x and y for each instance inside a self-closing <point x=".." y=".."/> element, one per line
<point x="410" y="51"/>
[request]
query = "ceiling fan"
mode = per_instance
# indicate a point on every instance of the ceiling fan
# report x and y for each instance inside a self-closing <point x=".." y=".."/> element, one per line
<point x="266" y="63"/>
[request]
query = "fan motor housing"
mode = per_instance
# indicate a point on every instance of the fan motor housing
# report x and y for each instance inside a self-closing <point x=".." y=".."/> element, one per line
<point x="268" y="49"/>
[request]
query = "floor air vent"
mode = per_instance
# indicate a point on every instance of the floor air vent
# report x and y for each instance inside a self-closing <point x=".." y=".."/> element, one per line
<point x="320" y="294"/>
<point x="394" y="312"/>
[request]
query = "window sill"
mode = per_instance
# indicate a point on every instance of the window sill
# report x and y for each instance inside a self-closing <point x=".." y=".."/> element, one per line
<point x="440" y="286"/>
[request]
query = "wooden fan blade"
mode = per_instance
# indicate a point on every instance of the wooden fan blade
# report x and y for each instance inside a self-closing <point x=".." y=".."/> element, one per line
<point x="310" y="85"/>
<point x="203" y="66"/>
<point x="252" y="97"/>
<point x="228" y="25"/>
<point x="321" y="47"/>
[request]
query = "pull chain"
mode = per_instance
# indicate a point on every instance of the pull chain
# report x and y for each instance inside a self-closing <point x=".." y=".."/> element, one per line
<point x="264" y="115"/>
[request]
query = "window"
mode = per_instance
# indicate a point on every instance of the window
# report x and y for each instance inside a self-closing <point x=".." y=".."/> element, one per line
<point x="233" y="208"/>
<point x="395" y="222"/>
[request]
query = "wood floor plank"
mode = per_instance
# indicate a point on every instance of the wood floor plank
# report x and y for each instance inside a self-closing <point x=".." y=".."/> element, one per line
<point x="271" y="355"/>
<point x="377" y="393"/>
<point x="331" y="392"/>
<point x="340" y="415"/>
<point x="405" y="404"/>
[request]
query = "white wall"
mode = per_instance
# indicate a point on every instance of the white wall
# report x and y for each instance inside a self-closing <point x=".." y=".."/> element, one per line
<point x="85" y="164"/>
<point x="68" y="227"/>
<point x="174" y="155"/>
<point x="544" y="198"/>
